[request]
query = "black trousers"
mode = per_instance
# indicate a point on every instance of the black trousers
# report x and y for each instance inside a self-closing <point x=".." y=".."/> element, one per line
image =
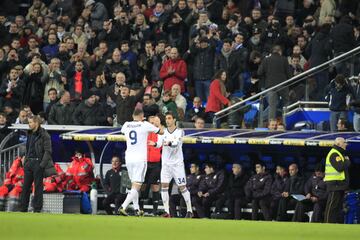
<point x="264" y="205"/>
<point x="234" y="206"/>
<point x="305" y="206"/>
<point x="274" y="205"/>
<point x="333" y="210"/>
<point x="204" y="204"/>
<point x="116" y="198"/>
<point x="284" y="205"/>
<point x="32" y="173"/>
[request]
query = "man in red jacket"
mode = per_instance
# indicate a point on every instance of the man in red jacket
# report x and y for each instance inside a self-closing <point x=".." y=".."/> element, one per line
<point x="54" y="183"/>
<point x="152" y="177"/>
<point x="174" y="71"/>
<point x="13" y="183"/>
<point x="79" y="174"/>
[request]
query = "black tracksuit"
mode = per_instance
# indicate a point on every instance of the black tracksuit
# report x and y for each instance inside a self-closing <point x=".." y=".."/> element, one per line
<point x="316" y="187"/>
<point x="214" y="184"/>
<point x="277" y="188"/>
<point x="258" y="189"/>
<point x="112" y="184"/>
<point x="235" y="195"/>
<point x="295" y="185"/>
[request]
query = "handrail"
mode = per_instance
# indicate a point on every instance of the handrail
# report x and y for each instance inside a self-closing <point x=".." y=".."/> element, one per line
<point x="305" y="103"/>
<point x="306" y="73"/>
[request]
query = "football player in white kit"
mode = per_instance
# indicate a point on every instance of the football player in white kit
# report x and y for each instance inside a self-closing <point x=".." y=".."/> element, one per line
<point x="136" y="133"/>
<point x="172" y="164"/>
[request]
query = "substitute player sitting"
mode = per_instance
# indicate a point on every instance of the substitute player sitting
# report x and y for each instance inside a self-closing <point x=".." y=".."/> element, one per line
<point x="136" y="133"/>
<point x="172" y="166"/>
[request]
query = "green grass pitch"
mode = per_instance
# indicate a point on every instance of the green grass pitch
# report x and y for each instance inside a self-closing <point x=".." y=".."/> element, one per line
<point x="67" y="226"/>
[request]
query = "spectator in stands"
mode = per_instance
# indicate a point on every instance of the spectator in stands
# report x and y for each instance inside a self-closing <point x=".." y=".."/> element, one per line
<point x="112" y="186"/>
<point x="315" y="197"/>
<point x="79" y="82"/>
<point x="319" y="50"/>
<point x="89" y="112"/>
<point x="203" y="54"/>
<point x="196" y="111"/>
<point x="34" y="89"/>
<point x="237" y="64"/>
<point x="174" y="71"/>
<point x="155" y="95"/>
<point x="62" y="111"/>
<point x="199" y="123"/>
<point x="274" y="70"/>
<point x="95" y="13"/>
<point x="222" y="59"/>
<point x="343" y="40"/>
<point x="125" y="103"/>
<point x="295" y="185"/>
<point x="211" y="186"/>
<point x="150" y="108"/>
<point x="54" y="80"/>
<point x="11" y="114"/>
<point x="218" y="96"/>
<point x="53" y="97"/>
<point x="114" y="89"/>
<point x="355" y="104"/>
<point x="4" y="130"/>
<point x="129" y="58"/>
<point x="337" y="92"/>
<point x="168" y="105"/>
<point x="179" y="100"/>
<point x="22" y="118"/>
<point x="52" y="48"/>
<point x="235" y="193"/>
<point x="342" y="125"/>
<point x="258" y="190"/>
<point x="277" y="188"/>
<point x="111" y="34"/>
<point x="116" y="65"/>
<point x="12" y="88"/>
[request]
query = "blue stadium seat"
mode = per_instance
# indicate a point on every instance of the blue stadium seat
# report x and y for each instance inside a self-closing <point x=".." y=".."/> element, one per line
<point x="228" y="167"/>
<point x="268" y="161"/>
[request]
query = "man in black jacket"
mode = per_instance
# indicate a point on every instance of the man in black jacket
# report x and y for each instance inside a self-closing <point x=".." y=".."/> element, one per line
<point x="338" y="90"/>
<point x="343" y="40"/>
<point x="125" y="104"/>
<point x="295" y="185"/>
<point x="258" y="190"/>
<point x="37" y="165"/>
<point x="235" y="192"/>
<point x="337" y="181"/>
<point x="277" y="188"/>
<point x="112" y="184"/>
<point x="203" y="52"/>
<point x="315" y="197"/>
<point x="61" y="112"/>
<point x="210" y="188"/>
<point x="89" y="112"/>
<point x="275" y="69"/>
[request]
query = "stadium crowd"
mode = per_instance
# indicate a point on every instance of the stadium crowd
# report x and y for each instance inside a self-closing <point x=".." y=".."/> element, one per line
<point x="92" y="62"/>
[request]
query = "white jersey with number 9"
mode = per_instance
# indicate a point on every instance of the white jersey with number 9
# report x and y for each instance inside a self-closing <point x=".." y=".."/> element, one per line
<point x="136" y="134"/>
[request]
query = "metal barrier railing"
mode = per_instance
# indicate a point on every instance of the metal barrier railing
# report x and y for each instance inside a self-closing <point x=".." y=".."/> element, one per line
<point x="8" y="154"/>
<point x="296" y="79"/>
